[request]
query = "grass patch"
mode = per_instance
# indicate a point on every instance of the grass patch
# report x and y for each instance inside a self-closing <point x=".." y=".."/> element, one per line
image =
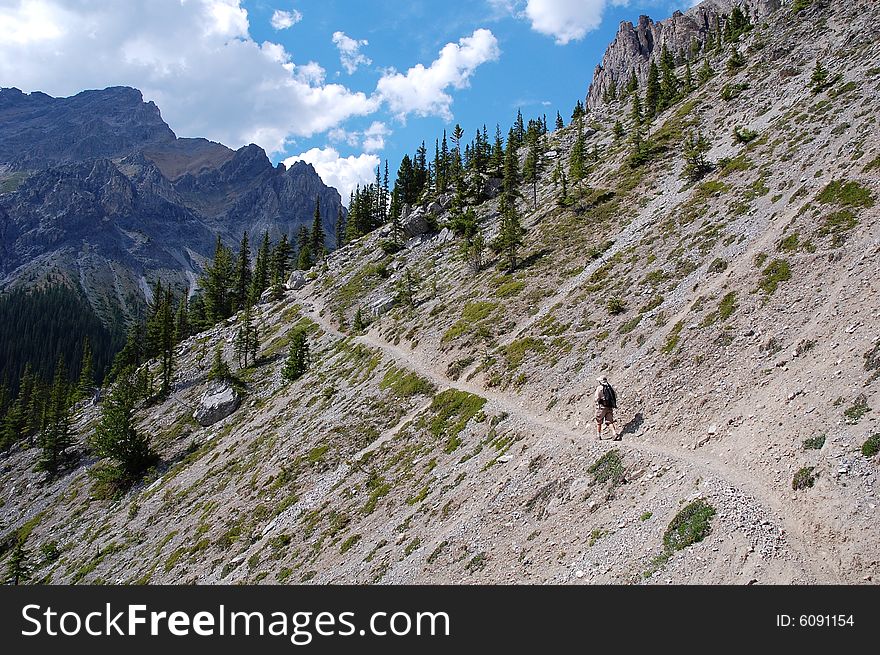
<point x="404" y="383"/>
<point x="776" y="272"/>
<point x="673" y="338"/>
<point x="516" y="351"/>
<point x="607" y="468"/>
<point x="690" y="525"/>
<point x="472" y="314"/>
<point x="803" y="479"/>
<point x="814" y="443"/>
<point x="349" y="543"/>
<point x="872" y="446"/>
<point x="509" y="289"/>
<point x="452" y="409"/>
<point x="846" y="194"/>
<point x="857" y="410"/>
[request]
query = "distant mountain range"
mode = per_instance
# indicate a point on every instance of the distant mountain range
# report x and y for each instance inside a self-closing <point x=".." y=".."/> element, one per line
<point x="97" y="192"/>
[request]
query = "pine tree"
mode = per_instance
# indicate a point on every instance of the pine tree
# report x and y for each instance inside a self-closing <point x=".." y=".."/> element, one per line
<point x="688" y="78"/>
<point x="563" y="198"/>
<point x="182" y="325"/>
<point x="496" y="163"/>
<point x="55" y="437"/>
<point x="632" y="85"/>
<point x="339" y="228"/>
<point x="359" y="324"/>
<point x="219" y="371"/>
<point x="559" y="122"/>
<point x="246" y="339"/>
<point x="653" y="91"/>
<point x="705" y="73"/>
<point x="281" y="257"/>
<point x="407" y="288"/>
<point x="819" y="78"/>
<point x="473" y="248"/>
<point x="669" y="86"/>
<point x="695" y="148"/>
<point x="12" y="429"/>
<point x="578" y="112"/>
<point x="618" y="130"/>
<point x="318" y="248"/>
<point x="85" y="386"/>
<point x="217" y="285"/>
<point x="510" y="236"/>
<point x="577" y="163"/>
<point x="298" y="358"/>
<point x="117" y="437"/>
<point x="262" y="272"/>
<point x="19" y="569"/>
<point x="243" y="275"/>
<point x="533" y="165"/>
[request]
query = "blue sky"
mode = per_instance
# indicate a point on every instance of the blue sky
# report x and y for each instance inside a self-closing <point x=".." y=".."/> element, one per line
<point x="343" y="84"/>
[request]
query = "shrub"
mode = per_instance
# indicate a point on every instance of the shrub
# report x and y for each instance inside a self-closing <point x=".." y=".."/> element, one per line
<point x="814" y="443"/>
<point x="777" y="271"/>
<point x="858" y="409"/>
<point x="872" y="446"/>
<point x="689" y="526"/>
<point x="803" y="479"/>
<point x="608" y="467"/>
<point x="744" y="135"/>
<point x="847" y="194"/>
<point x="616" y="306"/>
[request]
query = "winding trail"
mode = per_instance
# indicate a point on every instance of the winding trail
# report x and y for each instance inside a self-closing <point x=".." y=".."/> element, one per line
<point x="550" y="426"/>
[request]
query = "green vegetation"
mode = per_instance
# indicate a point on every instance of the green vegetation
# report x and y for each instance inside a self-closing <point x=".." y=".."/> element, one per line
<point x="509" y="289"/>
<point x="607" y="468"/>
<point x="595" y="535"/>
<point x="804" y="478"/>
<point x="814" y="443"/>
<point x="689" y="526"/>
<point x="472" y="314"/>
<point x="872" y="446"/>
<point x="452" y="409"/>
<point x="646" y="516"/>
<point x="672" y="338"/>
<point x="836" y="225"/>
<point x="776" y="272"/>
<point x="727" y="306"/>
<point x="516" y="351"/>
<point x="846" y="194"/>
<point x="616" y="306"/>
<point x="857" y="410"/>
<point x="404" y="383"/>
<point x="349" y="543"/>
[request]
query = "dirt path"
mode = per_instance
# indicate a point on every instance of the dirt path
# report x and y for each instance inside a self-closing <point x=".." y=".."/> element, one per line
<point x="800" y="542"/>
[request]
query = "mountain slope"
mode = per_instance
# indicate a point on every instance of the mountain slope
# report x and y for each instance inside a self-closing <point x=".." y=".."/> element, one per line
<point x="453" y="441"/>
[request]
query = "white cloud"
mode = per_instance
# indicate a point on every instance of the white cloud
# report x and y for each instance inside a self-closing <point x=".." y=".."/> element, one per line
<point x="374" y="136"/>
<point x="350" y="55"/>
<point x="343" y="173"/>
<point x="422" y="91"/>
<point x="195" y="59"/>
<point x="564" y="20"/>
<point x="282" y="20"/>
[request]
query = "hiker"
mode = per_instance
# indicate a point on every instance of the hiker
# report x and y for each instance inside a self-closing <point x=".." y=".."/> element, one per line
<point x="606" y="403"/>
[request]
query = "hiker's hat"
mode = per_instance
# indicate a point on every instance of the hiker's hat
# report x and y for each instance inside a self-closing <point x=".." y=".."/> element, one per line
<point x="603" y="379"/>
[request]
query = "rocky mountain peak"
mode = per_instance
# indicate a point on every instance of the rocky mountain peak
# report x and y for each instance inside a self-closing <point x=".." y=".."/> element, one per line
<point x="636" y="45"/>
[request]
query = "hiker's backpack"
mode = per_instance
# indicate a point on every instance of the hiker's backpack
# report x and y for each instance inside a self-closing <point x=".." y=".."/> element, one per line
<point x="609" y="396"/>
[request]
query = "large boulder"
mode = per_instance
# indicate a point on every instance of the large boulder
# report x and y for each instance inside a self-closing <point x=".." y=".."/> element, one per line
<point x="381" y="305"/>
<point x="416" y="224"/>
<point x="219" y="401"/>
<point x="296" y="281"/>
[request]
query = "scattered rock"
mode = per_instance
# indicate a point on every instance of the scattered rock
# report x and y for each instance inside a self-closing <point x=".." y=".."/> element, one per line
<point x="220" y="401"/>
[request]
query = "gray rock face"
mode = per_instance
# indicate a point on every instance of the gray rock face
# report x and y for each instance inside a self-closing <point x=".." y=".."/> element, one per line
<point x="219" y="401"/>
<point x="636" y="45"/>
<point x="296" y="281"/>
<point x="381" y="306"/>
<point x="416" y="223"/>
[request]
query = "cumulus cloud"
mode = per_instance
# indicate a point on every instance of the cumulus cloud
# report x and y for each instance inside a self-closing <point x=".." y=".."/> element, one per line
<point x="343" y="173"/>
<point x="350" y="55"/>
<point x="564" y="20"/>
<point x="282" y="20"/>
<point x="423" y="91"/>
<point x="374" y="136"/>
<point x="195" y="59"/>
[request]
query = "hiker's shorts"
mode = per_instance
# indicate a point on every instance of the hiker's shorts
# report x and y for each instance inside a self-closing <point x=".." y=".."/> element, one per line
<point x="605" y="414"/>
